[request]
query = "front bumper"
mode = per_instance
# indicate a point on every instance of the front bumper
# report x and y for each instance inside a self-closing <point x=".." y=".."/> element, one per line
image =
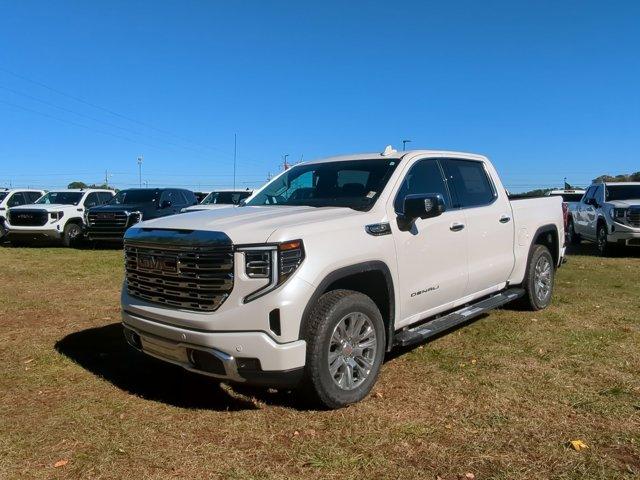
<point x="623" y="234"/>
<point x="47" y="232"/>
<point x="244" y="357"/>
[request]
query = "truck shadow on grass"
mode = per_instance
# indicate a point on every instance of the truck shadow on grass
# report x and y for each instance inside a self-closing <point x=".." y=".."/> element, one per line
<point x="587" y="249"/>
<point x="104" y="352"/>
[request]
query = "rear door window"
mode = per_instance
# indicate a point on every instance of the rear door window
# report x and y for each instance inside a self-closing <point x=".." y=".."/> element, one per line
<point x="470" y="183"/>
<point x="92" y="200"/>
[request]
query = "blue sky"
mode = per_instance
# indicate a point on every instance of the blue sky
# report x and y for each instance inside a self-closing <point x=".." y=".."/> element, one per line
<point x="546" y="89"/>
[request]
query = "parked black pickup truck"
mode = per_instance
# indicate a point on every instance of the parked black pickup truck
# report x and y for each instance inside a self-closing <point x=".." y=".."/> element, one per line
<point x="107" y="223"/>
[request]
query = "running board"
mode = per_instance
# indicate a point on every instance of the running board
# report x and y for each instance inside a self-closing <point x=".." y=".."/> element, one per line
<point x="431" y="328"/>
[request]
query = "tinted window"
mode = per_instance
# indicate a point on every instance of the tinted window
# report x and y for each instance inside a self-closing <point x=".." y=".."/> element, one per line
<point x="317" y="185"/>
<point x="424" y="176"/>
<point x="61" y="198"/>
<point x="588" y="194"/>
<point x="225" y="198"/>
<point x="623" y="192"/>
<point x="134" y="196"/>
<point x="179" y="198"/>
<point x="571" y="197"/>
<point x="3" y="195"/>
<point x="469" y="182"/>
<point x="92" y="200"/>
<point x="16" y="199"/>
<point x="105" y="196"/>
<point x="598" y="193"/>
<point x="33" y="196"/>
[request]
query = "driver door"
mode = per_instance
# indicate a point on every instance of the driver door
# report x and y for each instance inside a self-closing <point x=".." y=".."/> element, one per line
<point x="432" y="255"/>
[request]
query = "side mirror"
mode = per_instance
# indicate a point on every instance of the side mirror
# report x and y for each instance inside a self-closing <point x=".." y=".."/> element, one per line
<point x="420" y="205"/>
<point x="165" y="204"/>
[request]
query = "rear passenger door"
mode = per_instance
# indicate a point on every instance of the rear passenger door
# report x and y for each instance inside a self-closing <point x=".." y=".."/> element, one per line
<point x="489" y="224"/>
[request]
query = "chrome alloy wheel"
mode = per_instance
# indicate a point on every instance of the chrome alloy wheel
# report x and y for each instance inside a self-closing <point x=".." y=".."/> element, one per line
<point x="352" y="350"/>
<point x="542" y="279"/>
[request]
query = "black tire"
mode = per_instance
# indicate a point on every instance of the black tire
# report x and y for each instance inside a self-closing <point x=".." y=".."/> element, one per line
<point x="72" y="234"/>
<point x="332" y="308"/>
<point x="533" y="300"/>
<point x="572" y="237"/>
<point x="605" y="248"/>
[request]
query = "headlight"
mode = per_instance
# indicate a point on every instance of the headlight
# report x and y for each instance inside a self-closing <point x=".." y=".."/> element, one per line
<point x="55" y="216"/>
<point x="135" y="217"/>
<point x="275" y="262"/>
<point x="618" y="213"/>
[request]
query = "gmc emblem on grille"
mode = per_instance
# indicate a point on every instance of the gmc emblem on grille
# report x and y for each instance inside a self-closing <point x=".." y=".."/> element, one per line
<point x="106" y="216"/>
<point x="149" y="262"/>
<point x="24" y="216"/>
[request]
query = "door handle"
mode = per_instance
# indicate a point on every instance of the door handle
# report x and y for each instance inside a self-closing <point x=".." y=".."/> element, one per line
<point x="456" y="227"/>
<point x="505" y="219"/>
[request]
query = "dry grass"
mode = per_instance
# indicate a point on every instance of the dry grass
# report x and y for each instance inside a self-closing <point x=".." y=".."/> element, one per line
<point x="499" y="398"/>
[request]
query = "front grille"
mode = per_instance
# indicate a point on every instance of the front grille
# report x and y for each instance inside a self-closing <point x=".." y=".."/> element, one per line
<point x="633" y="217"/>
<point x="28" y="218"/>
<point x="107" y="224"/>
<point x="184" y="276"/>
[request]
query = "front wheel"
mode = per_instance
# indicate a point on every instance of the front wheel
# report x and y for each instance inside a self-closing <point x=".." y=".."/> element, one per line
<point x="72" y="234"/>
<point x="539" y="279"/>
<point x="346" y="341"/>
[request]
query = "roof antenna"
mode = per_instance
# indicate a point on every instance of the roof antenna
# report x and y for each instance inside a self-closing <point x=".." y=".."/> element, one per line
<point x="388" y="150"/>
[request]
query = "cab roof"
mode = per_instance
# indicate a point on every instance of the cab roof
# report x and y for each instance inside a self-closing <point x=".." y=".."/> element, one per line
<point x="394" y="154"/>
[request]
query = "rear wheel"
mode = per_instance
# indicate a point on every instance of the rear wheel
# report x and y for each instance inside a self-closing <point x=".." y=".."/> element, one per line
<point x="72" y="234"/>
<point x="538" y="284"/>
<point x="572" y="237"/>
<point x="345" y="338"/>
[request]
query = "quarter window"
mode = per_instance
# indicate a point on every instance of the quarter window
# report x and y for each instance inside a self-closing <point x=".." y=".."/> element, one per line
<point x="423" y="177"/>
<point x="469" y="182"/>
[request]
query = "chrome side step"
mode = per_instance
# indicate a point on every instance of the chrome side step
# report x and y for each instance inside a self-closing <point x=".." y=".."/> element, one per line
<point x="438" y="325"/>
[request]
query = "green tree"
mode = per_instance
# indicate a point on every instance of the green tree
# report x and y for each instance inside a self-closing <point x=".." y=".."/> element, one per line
<point x="77" y="185"/>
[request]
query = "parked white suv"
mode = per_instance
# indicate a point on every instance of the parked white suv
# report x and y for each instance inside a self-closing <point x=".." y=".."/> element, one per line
<point x="608" y="214"/>
<point x="332" y="264"/>
<point x="57" y="215"/>
<point x="13" y="198"/>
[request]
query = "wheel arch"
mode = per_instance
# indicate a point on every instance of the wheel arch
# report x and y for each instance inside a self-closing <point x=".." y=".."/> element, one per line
<point x="372" y="278"/>
<point x="547" y="235"/>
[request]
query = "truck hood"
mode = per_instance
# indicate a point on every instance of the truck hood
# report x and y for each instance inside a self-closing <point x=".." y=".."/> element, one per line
<point x="214" y="206"/>
<point x="141" y="207"/>
<point x="253" y="224"/>
<point x="48" y="207"/>
<point x="634" y="202"/>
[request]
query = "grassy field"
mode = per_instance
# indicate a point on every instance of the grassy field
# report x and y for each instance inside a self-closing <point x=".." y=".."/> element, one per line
<point x="498" y="399"/>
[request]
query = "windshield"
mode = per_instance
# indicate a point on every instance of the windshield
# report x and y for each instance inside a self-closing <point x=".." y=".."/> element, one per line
<point x="623" y="192"/>
<point x="133" y="197"/>
<point x="354" y="184"/>
<point x="3" y="195"/>
<point x="61" y="198"/>
<point x="225" y="198"/>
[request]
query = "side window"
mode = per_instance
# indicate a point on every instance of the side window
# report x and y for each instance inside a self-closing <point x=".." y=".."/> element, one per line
<point x="92" y="200"/>
<point x="33" y="196"/>
<point x="469" y="182"/>
<point x="16" y="200"/>
<point x="167" y="196"/>
<point x="588" y="194"/>
<point x="424" y="176"/>
<point x="105" y="197"/>
<point x="598" y="194"/>
<point x="179" y="197"/>
<point x="300" y="187"/>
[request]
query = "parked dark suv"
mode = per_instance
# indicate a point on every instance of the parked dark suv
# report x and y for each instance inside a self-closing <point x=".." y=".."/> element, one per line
<point x="109" y="222"/>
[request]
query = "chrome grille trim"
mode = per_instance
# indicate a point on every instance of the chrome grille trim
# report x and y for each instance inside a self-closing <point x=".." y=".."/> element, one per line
<point x="185" y="272"/>
<point x="633" y="217"/>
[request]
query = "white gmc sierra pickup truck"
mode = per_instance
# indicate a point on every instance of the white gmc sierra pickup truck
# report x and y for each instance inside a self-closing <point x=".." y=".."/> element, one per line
<point x="608" y="214"/>
<point x="332" y="264"/>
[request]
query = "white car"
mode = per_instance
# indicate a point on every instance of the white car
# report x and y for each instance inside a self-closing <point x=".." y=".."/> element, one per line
<point x="608" y="214"/>
<point x="57" y="215"/>
<point x="332" y="264"/>
<point x="13" y="198"/>
<point x="220" y="199"/>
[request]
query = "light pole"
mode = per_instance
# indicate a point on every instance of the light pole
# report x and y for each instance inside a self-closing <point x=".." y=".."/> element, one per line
<point x="140" y="170"/>
<point x="284" y="163"/>
<point x="235" y="155"/>
<point x="404" y="144"/>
